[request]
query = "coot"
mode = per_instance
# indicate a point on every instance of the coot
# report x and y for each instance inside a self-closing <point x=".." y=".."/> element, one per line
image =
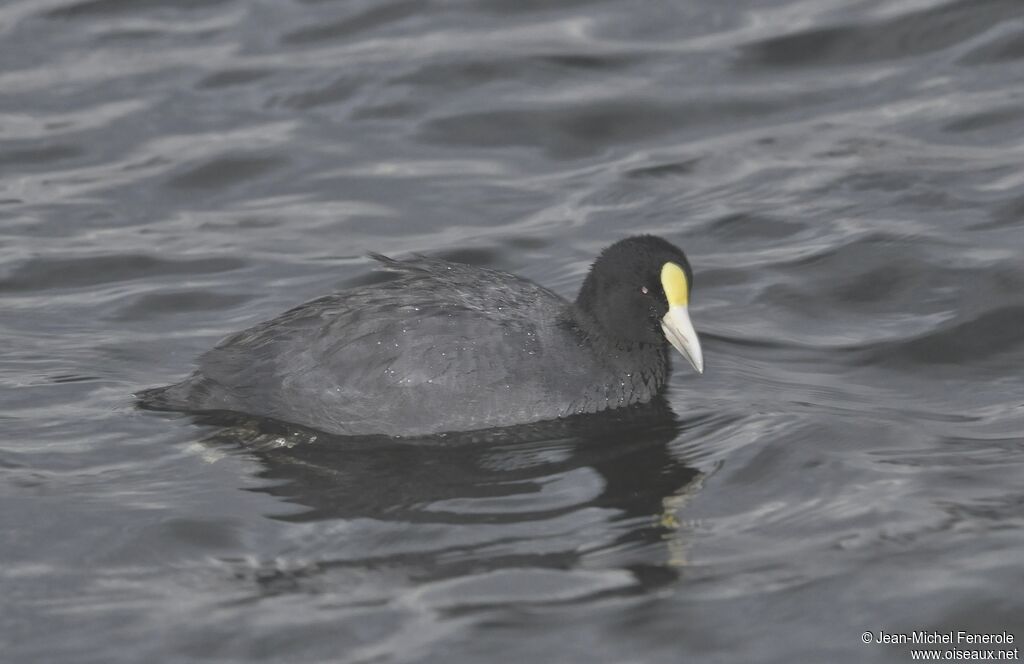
<point x="449" y="347"/>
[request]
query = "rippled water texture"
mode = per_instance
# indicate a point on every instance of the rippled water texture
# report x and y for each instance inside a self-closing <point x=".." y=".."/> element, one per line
<point x="847" y="177"/>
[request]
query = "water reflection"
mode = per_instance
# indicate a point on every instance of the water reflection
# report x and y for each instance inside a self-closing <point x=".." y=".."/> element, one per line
<point x="545" y="495"/>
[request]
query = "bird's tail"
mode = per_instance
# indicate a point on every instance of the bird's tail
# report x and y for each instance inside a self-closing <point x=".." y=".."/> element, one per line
<point x="169" y="397"/>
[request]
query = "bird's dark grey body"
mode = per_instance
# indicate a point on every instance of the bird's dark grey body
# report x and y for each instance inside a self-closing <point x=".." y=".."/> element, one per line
<point x="442" y="347"/>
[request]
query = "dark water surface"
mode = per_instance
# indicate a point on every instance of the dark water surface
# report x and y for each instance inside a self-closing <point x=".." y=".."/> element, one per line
<point x="847" y="177"/>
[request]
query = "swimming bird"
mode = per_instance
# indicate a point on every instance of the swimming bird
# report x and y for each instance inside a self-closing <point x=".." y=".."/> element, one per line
<point x="447" y="347"/>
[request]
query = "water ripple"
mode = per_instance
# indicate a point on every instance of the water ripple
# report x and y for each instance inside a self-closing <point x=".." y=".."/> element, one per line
<point x="846" y="178"/>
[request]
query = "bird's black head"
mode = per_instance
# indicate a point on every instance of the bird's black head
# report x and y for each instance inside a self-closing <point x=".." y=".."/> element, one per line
<point x="637" y="292"/>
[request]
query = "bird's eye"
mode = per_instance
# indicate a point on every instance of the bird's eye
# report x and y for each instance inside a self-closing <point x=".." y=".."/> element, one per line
<point x="643" y="289"/>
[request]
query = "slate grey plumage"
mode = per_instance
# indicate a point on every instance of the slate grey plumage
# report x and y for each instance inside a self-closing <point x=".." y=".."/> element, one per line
<point x="441" y="347"/>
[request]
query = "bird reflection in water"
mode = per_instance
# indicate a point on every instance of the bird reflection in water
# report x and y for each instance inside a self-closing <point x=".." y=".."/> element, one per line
<point x="595" y="491"/>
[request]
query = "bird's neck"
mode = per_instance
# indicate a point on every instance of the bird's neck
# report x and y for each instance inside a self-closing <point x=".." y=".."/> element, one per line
<point x="603" y="338"/>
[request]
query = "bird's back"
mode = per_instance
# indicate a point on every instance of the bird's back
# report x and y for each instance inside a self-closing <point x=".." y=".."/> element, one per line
<point x="442" y="347"/>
